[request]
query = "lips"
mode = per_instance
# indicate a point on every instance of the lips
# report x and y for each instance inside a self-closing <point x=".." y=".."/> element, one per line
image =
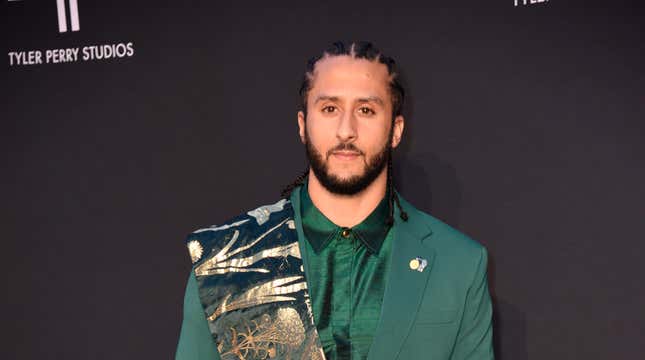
<point x="346" y="155"/>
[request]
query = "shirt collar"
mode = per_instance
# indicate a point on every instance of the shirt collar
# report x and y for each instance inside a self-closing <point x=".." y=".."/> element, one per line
<point x="319" y="230"/>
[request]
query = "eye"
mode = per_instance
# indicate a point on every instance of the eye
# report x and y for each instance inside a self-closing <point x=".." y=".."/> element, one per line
<point x="329" y="109"/>
<point x="364" y="110"/>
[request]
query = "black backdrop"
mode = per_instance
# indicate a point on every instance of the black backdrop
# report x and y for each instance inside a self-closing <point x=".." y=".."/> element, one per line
<point x="525" y="130"/>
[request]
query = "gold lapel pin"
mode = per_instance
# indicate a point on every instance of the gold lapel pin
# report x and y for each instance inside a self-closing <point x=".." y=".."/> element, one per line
<point x="418" y="264"/>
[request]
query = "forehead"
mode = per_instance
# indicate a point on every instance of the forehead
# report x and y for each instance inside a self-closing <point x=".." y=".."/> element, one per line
<point x="344" y="76"/>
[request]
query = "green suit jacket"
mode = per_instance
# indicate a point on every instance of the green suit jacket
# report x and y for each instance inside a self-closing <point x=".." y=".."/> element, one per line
<point x="441" y="313"/>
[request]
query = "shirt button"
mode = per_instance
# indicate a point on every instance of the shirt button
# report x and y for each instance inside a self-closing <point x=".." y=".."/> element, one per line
<point x="345" y="233"/>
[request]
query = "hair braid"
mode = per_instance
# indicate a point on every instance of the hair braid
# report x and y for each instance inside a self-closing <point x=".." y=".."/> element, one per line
<point x="299" y="181"/>
<point x="393" y="198"/>
<point x="357" y="50"/>
<point x="404" y="216"/>
<point x="389" y="221"/>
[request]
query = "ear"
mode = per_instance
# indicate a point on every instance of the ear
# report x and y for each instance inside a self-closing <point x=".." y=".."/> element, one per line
<point x="399" y="123"/>
<point x="301" y="126"/>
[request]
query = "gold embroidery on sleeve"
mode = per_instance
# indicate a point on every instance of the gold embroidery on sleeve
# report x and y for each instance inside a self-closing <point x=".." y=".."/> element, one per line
<point x="223" y="262"/>
<point x="268" y="292"/>
<point x="196" y="250"/>
<point x="268" y="337"/>
<point x="242" y="264"/>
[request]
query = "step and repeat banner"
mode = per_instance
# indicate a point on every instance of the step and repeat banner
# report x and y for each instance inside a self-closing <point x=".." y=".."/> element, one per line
<point x="126" y="125"/>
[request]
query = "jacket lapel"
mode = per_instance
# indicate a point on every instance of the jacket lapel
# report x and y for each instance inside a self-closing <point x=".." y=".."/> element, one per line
<point x="405" y="287"/>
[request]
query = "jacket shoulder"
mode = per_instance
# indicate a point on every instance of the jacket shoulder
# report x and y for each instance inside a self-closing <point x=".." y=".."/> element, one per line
<point x="208" y="239"/>
<point x="450" y="234"/>
<point x="459" y="259"/>
<point x="444" y="236"/>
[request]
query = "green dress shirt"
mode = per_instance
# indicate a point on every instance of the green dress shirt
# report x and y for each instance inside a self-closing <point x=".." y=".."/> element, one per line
<point x="345" y="270"/>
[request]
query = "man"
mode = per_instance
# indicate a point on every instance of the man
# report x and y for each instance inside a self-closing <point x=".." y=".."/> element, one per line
<point x="342" y="268"/>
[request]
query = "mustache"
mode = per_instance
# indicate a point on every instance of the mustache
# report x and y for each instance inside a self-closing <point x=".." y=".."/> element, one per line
<point x="345" y="147"/>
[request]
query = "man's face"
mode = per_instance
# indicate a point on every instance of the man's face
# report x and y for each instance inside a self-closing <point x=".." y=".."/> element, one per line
<point x="348" y="130"/>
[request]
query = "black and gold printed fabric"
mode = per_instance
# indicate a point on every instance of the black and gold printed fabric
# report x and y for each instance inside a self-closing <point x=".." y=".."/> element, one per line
<point x="252" y="286"/>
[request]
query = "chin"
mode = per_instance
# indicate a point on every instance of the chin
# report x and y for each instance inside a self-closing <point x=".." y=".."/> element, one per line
<point x="346" y="169"/>
<point x="346" y="176"/>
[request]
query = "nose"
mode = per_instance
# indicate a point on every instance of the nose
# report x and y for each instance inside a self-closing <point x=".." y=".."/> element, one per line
<point x="346" y="131"/>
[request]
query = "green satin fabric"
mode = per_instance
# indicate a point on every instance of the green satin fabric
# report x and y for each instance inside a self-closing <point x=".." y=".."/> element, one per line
<point x="346" y="277"/>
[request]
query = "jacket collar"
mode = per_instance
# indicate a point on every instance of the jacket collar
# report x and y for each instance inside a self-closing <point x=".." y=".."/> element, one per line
<point x="405" y="286"/>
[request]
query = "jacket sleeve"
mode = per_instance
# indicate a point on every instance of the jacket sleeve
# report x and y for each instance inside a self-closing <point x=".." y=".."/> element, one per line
<point x="475" y="336"/>
<point x="195" y="340"/>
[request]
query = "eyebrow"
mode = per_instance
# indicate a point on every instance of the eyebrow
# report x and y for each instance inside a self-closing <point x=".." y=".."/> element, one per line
<point x="374" y="99"/>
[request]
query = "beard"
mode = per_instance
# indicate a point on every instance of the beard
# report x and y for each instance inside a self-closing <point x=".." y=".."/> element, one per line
<point x="355" y="183"/>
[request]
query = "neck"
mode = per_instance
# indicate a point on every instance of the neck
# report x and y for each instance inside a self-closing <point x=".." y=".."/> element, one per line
<point x="347" y="210"/>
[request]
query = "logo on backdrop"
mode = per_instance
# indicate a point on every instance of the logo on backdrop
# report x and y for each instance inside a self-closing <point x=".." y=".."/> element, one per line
<point x="528" y="2"/>
<point x="62" y="15"/>
<point x="100" y="52"/>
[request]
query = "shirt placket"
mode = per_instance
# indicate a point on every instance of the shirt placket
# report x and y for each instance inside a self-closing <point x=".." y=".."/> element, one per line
<point x="344" y="269"/>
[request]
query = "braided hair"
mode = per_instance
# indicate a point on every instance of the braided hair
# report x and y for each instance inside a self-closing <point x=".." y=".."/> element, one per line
<point x="358" y="50"/>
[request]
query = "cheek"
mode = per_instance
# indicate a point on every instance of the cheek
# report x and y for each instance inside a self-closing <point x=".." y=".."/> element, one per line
<point x="321" y="135"/>
<point x="373" y="138"/>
